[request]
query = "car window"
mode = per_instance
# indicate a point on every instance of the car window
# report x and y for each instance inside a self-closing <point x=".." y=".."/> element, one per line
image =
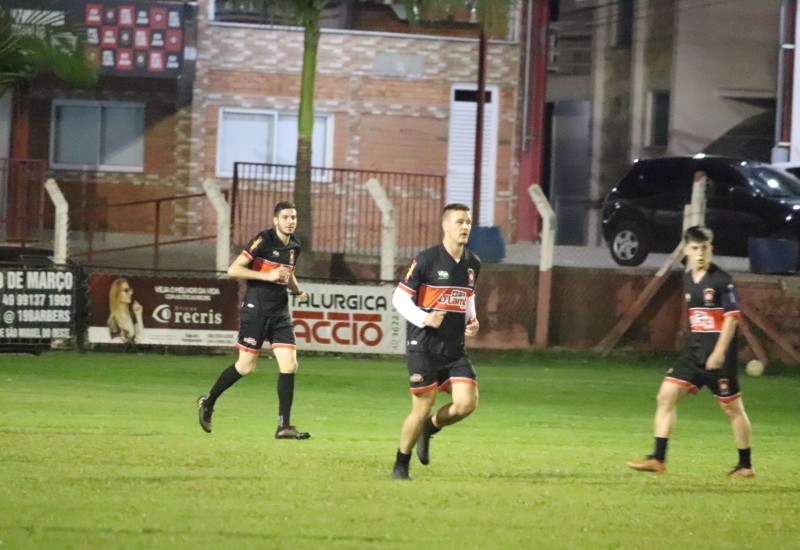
<point x="771" y="182"/>
<point x="721" y="179"/>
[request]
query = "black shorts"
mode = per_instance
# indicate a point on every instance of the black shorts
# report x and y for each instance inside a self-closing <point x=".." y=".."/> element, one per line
<point x="723" y="383"/>
<point x="426" y="372"/>
<point x="256" y="325"/>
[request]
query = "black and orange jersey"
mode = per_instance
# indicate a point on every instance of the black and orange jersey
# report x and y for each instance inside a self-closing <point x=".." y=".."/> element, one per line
<point x="709" y="301"/>
<point x="438" y="282"/>
<point x="267" y="252"/>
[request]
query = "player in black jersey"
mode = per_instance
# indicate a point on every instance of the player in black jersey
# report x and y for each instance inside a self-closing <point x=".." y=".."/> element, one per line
<point x="709" y="358"/>
<point x="437" y="299"/>
<point x="267" y="264"/>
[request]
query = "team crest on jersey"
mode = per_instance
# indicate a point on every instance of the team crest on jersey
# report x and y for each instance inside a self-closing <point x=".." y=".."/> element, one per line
<point x="688" y="297"/>
<point x="255" y="244"/>
<point x="708" y="296"/>
<point x="415" y="378"/>
<point x="443" y="274"/>
<point x="410" y="270"/>
<point x="724" y="386"/>
<point x="291" y="257"/>
<point x="275" y="253"/>
<point x="471" y="276"/>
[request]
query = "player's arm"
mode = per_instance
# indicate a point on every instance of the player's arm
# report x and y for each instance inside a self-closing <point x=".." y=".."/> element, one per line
<point x="295" y="289"/>
<point x="470" y="315"/>
<point x="239" y="269"/>
<point x="730" y="303"/>
<point x="717" y="357"/>
<point x="405" y="306"/>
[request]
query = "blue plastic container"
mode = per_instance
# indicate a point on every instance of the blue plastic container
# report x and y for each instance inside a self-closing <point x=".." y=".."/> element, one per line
<point x="487" y="243"/>
<point x="776" y="256"/>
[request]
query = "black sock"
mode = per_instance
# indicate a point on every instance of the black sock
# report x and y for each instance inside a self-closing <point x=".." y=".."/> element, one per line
<point x="226" y="379"/>
<point x="285" y="397"/>
<point x="430" y="427"/>
<point x="403" y="458"/>
<point x="744" y="458"/>
<point x="660" y="451"/>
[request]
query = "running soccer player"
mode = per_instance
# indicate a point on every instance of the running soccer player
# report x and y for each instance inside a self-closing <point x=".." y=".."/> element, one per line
<point x="437" y="299"/>
<point x="267" y="264"/>
<point x="709" y="358"/>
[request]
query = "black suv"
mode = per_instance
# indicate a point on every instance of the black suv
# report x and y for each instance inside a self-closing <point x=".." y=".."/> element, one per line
<point x="644" y="212"/>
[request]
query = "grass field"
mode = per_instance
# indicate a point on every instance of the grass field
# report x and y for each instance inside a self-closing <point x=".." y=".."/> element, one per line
<point x="104" y="451"/>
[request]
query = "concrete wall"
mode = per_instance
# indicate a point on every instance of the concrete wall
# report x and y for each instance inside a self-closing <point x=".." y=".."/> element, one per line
<point x="722" y="50"/>
<point x="587" y="303"/>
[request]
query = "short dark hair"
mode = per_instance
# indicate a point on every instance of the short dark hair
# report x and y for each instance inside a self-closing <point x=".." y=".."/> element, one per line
<point x="698" y="234"/>
<point x="283" y="205"/>
<point x="455" y="206"/>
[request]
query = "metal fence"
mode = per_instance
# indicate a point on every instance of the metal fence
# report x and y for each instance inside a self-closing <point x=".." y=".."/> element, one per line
<point x="346" y="220"/>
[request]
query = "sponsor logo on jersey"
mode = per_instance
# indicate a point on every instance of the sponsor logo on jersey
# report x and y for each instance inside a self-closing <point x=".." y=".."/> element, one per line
<point x="455" y="298"/>
<point x="704" y="320"/>
<point x="708" y="296"/>
<point x="443" y="274"/>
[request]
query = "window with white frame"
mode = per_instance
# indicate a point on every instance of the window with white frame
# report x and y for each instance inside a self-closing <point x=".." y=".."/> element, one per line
<point x="268" y="137"/>
<point x="658" y="133"/>
<point x="97" y="135"/>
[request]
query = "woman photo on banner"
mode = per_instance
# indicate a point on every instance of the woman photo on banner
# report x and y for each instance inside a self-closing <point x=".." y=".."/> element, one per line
<point x="125" y="319"/>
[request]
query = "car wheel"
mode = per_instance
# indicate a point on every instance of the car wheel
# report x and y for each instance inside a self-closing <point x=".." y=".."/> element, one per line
<point x="629" y="244"/>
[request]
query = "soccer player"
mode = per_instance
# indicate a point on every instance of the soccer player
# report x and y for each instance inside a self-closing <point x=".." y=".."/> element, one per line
<point x="267" y="264"/>
<point x="710" y="355"/>
<point x="437" y="299"/>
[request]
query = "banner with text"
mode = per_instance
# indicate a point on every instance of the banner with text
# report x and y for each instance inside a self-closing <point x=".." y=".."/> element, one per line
<point x="36" y="305"/>
<point x="205" y="312"/>
<point x="163" y="311"/>
<point x="349" y="319"/>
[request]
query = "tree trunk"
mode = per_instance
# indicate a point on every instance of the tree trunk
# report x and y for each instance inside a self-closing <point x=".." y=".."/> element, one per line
<point x="305" y="130"/>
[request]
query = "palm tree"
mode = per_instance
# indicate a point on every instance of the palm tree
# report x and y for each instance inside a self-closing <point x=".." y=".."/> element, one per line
<point x="34" y="42"/>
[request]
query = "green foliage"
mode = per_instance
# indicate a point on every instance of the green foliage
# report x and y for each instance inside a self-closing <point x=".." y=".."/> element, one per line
<point x="492" y="15"/>
<point x="104" y="451"/>
<point x="36" y="42"/>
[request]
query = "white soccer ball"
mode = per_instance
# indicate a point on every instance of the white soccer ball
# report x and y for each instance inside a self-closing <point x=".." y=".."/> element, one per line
<point x="754" y="368"/>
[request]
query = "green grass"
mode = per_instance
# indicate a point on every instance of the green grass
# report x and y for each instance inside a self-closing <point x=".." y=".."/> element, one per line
<point x="104" y="451"/>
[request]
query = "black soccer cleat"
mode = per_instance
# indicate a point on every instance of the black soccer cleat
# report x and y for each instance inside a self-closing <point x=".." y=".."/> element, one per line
<point x="290" y="432"/>
<point x="400" y="471"/>
<point x="424" y="442"/>
<point x="204" y="413"/>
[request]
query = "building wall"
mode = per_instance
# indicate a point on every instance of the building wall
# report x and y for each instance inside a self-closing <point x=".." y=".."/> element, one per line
<point x="719" y="56"/>
<point x="393" y="123"/>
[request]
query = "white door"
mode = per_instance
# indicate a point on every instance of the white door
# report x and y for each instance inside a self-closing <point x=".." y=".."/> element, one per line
<point x="461" y="149"/>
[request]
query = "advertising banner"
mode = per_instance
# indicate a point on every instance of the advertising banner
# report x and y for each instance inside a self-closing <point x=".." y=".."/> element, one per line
<point x="205" y="312"/>
<point x="36" y="305"/>
<point x="349" y="319"/>
<point x="172" y="311"/>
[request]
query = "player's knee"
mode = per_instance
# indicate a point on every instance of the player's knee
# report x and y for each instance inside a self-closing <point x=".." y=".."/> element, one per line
<point x="245" y="367"/>
<point x="665" y="399"/>
<point x="465" y="408"/>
